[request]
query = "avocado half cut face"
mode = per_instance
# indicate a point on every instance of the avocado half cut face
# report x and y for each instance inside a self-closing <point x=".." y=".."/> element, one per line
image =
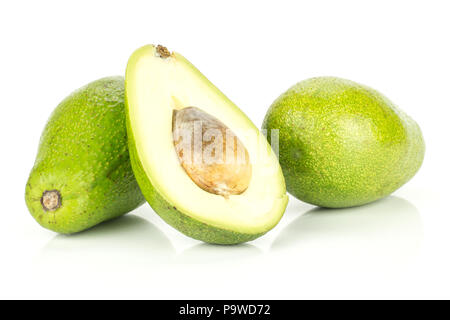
<point x="200" y="162"/>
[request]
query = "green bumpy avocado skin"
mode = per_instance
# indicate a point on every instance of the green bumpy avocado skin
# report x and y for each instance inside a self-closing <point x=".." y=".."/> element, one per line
<point x="83" y="154"/>
<point x="343" y="144"/>
<point x="174" y="217"/>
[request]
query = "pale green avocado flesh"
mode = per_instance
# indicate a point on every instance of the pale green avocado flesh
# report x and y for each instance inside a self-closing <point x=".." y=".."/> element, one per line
<point x="342" y="144"/>
<point x="82" y="174"/>
<point x="159" y="84"/>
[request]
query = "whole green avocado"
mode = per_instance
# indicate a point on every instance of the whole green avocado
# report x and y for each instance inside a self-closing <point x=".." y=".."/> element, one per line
<point x="82" y="174"/>
<point x="343" y="144"/>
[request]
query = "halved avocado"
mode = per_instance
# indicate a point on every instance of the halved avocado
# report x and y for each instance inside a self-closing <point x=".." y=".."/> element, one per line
<point x="200" y="162"/>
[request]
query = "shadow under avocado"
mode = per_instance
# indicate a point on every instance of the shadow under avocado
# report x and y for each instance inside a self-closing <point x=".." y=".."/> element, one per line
<point x="125" y="242"/>
<point x="385" y="233"/>
<point x="205" y="253"/>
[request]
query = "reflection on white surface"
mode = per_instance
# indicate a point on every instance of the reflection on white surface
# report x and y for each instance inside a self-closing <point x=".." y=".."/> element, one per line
<point x="311" y="252"/>
<point x="128" y="242"/>
<point x="383" y="235"/>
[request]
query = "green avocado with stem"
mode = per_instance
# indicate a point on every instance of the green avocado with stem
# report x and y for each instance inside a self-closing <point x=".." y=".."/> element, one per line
<point x="343" y="144"/>
<point x="82" y="175"/>
<point x="201" y="163"/>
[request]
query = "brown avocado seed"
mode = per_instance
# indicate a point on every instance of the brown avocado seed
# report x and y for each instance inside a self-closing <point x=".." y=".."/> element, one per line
<point x="210" y="153"/>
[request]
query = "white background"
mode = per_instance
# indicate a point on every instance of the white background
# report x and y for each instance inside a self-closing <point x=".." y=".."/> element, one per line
<point x="253" y="51"/>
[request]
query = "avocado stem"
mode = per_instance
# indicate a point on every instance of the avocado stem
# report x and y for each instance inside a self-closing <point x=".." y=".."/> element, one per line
<point x="162" y="51"/>
<point x="51" y="200"/>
